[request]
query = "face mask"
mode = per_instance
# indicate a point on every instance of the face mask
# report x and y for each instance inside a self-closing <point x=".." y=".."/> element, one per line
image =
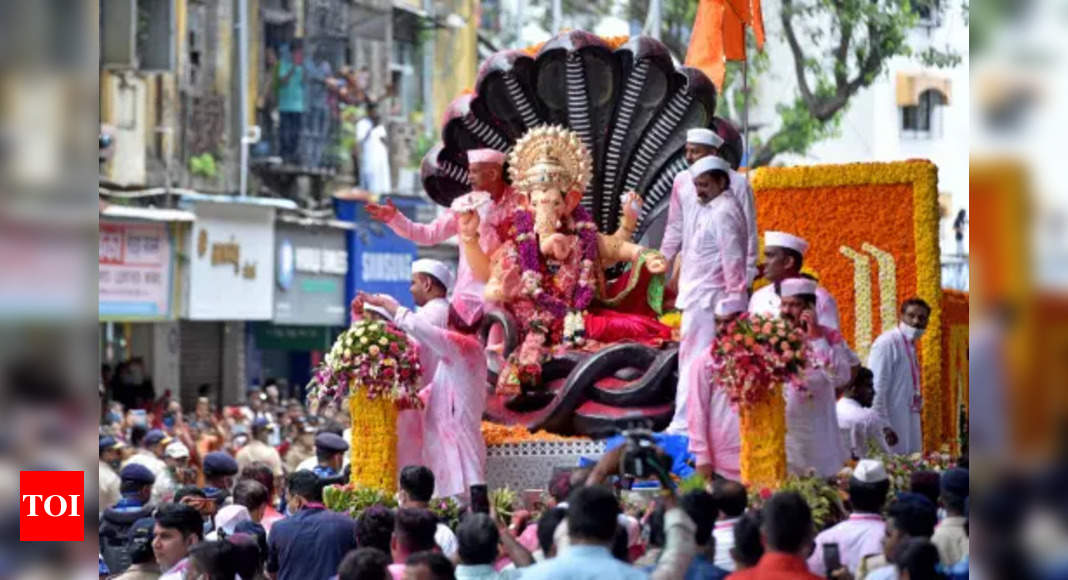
<point x="910" y="332"/>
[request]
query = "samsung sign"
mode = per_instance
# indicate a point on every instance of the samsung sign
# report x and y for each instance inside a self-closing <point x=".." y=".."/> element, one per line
<point x="310" y="283"/>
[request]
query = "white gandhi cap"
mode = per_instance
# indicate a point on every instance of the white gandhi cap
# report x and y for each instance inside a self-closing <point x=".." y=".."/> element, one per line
<point x="870" y="471"/>
<point x="702" y="136"/>
<point x="797" y="286"/>
<point x="710" y="163"/>
<point x="729" y="306"/>
<point x="785" y="240"/>
<point x="434" y="268"/>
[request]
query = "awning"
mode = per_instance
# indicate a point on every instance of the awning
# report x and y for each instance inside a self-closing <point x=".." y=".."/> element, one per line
<point x="410" y="6"/>
<point x="911" y="86"/>
<point x="146" y="213"/>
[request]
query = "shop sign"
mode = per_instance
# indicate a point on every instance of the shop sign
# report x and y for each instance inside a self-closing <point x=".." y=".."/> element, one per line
<point x="232" y="266"/>
<point x="135" y="271"/>
<point x="311" y="268"/>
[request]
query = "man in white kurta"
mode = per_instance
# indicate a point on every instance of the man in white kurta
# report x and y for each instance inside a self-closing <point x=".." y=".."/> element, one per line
<point x="453" y="447"/>
<point x="713" y="267"/>
<point x="812" y="438"/>
<point x="783" y="258"/>
<point x="896" y="371"/>
<point x="861" y="427"/>
<point x="485" y="168"/>
<point x="711" y="420"/>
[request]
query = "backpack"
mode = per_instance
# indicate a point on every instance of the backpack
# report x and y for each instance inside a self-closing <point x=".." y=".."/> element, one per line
<point x="116" y="546"/>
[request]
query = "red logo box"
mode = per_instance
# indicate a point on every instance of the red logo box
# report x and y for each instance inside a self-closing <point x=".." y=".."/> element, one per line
<point x="51" y="506"/>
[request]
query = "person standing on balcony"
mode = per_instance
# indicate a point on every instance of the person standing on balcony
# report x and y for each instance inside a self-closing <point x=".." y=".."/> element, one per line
<point x="317" y="122"/>
<point x="373" y="143"/>
<point x="290" y="99"/>
<point x="266" y="100"/>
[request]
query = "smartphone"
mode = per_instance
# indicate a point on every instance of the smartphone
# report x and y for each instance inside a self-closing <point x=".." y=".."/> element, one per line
<point x="832" y="560"/>
<point x="140" y="417"/>
<point x="480" y="498"/>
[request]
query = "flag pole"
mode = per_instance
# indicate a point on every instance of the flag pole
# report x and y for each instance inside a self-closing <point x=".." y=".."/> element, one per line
<point x="745" y="105"/>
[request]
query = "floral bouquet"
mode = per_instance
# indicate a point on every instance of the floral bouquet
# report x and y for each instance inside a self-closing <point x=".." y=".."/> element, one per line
<point x="447" y="510"/>
<point x="374" y="356"/>
<point x="754" y="353"/>
<point x="352" y="499"/>
<point x="823" y="498"/>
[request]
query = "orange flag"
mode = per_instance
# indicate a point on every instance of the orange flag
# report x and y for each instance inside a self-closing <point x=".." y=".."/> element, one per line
<point x="719" y="35"/>
<point x="706" y="41"/>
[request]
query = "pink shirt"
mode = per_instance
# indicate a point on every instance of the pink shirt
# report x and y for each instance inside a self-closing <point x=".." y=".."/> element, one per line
<point x="859" y="536"/>
<point x="712" y="422"/>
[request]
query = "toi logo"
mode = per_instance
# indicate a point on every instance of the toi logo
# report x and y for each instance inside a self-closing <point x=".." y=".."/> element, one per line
<point x="51" y="506"/>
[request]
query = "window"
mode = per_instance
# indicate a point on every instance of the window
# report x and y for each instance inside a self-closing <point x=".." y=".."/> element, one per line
<point x="924" y="119"/>
<point x="928" y="13"/>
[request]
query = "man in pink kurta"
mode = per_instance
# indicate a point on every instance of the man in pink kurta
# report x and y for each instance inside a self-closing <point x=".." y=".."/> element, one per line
<point x="711" y="419"/>
<point x="485" y="168"/>
<point x="453" y="447"/>
<point x="712" y="265"/>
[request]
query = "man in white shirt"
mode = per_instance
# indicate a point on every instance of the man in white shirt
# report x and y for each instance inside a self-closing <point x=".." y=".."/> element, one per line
<point x="862" y="533"/>
<point x="150" y="455"/>
<point x="861" y="427"/>
<point x="896" y="369"/>
<point x="373" y="143"/>
<point x="812" y="438"/>
<point x="949" y="536"/>
<point x="110" y="457"/>
<point x="416" y="484"/>
<point x="731" y="499"/>
<point x="712" y="265"/>
<point x="784" y="256"/>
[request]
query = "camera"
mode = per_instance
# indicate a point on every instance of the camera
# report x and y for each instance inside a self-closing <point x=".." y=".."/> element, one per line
<point x="642" y="458"/>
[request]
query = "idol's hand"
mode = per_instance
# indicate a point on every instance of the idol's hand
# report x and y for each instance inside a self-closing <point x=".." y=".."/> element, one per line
<point x="632" y="203"/>
<point x="656" y="263"/>
<point x="382" y="213"/>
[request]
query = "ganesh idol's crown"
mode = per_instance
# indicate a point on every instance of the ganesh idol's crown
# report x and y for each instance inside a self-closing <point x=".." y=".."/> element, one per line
<point x="550" y="157"/>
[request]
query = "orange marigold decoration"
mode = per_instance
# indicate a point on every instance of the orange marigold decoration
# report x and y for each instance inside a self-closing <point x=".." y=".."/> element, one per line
<point x="497" y="434"/>
<point x="861" y="219"/>
<point x="954" y="364"/>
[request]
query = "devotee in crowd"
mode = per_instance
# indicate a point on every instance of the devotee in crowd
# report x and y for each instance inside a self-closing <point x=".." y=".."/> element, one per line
<point x="232" y="558"/>
<point x="927" y="483"/>
<point x="731" y="501"/>
<point x="896" y="369"/>
<point x="416" y="488"/>
<point x="862" y="533"/>
<point x="226" y="521"/>
<point x="950" y="536"/>
<point x="812" y="438"/>
<point x="261" y="473"/>
<point x="313" y="540"/>
<point x="110" y="460"/>
<point x="374" y="528"/>
<point x="701" y="507"/>
<point x="787" y="532"/>
<point x="712" y="265"/>
<point x="135" y="487"/>
<point x="478" y="540"/>
<point x="485" y="174"/>
<point x="712" y="419"/>
<point x="258" y="448"/>
<point x="178" y="528"/>
<point x="917" y="559"/>
<point x="150" y="454"/>
<point x="251" y="495"/>
<point x="428" y="566"/>
<point x="364" y="563"/>
<point x="413" y="532"/>
<point x="909" y="516"/>
<point x="454" y="449"/>
<point x="219" y="471"/>
<point x="176" y="456"/>
<point x="302" y="448"/>
<point x="748" y="546"/>
<point x="861" y="427"/>
<point x="784" y="256"/>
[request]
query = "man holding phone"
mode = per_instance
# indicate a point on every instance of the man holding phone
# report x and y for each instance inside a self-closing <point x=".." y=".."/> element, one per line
<point x="812" y="438"/>
<point x="862" y="534"/>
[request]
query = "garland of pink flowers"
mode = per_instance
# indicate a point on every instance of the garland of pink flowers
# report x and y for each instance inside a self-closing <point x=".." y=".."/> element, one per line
<point x="754" y="353"/>
<point x="531" y="264"/>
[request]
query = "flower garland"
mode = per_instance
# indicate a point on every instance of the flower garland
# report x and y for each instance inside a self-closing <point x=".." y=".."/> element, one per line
<point x="891" y="206"/>
<point x="754" y="353"/>
<point x="372" y="356"/>
<point x="532" y="277"/>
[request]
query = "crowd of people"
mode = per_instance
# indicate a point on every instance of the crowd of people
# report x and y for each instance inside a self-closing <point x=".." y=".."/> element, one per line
<point x="216" y="496"/>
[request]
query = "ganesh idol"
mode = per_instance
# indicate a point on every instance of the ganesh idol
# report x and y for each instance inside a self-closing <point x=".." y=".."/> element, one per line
<point x="550" y="277"/>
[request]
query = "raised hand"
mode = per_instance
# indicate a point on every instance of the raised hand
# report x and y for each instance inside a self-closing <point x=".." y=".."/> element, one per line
<point x="469" y="222"/>
<point x="808" y="322"/>
<point x="382" y="213"/>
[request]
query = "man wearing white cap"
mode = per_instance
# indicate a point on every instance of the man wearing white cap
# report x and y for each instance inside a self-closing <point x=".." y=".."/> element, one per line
<point x="485" y="173"/>
<point x="702" y="142"/>
<point x="712" y="268"/>
<point x="784" y="255"/>
<point x="431" y="281"/>
<point x="711" y="421"/>
<point x="812" y="437"/>
<point x="862" y="533"/>
<point x="454" y="365"/>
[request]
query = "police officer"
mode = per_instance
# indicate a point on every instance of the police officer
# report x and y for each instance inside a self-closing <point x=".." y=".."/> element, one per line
<point x="219" y="471"/>
<point x="136" y="488"/>
<point x="330" y="451"/>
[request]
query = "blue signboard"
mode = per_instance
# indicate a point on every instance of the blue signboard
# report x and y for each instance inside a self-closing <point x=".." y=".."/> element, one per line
<point x="380" y="261"/>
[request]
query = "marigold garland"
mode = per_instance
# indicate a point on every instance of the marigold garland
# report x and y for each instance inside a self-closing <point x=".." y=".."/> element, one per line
<point x="373" y="461"/>
<point x="874" y="203"/>
<point x="497" y="434"/>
